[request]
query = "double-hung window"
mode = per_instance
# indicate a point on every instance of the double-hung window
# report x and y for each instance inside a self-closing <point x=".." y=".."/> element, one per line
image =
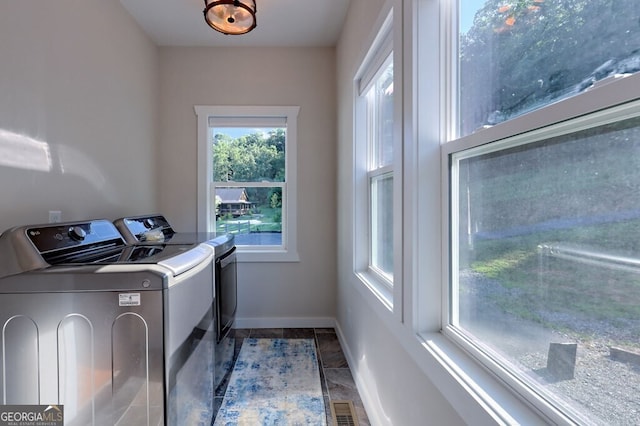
<point x="544" y="194"/>
<point x="247" y="178"/>
<point x="379" y="101"/>
<point x="375" y="202"/>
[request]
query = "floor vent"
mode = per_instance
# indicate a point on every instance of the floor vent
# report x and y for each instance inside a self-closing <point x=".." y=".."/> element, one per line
<point x="343" y="413"/>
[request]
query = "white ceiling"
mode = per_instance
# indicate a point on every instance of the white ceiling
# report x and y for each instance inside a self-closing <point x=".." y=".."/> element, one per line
<point x="280" y="23"/>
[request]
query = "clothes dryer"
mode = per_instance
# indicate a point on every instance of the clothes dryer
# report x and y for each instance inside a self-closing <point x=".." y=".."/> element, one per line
<point x="154" y="229"/>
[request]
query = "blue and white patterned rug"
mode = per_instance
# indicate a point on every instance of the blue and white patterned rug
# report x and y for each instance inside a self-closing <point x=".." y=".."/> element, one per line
<point x="274" y="382"/>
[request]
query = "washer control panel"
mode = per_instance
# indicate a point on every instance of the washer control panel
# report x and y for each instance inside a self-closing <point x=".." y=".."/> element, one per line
<point x="61" y="236"/>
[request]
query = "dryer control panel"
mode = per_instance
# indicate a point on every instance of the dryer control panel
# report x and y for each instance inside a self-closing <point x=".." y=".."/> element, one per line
<point x="144" y="228"/>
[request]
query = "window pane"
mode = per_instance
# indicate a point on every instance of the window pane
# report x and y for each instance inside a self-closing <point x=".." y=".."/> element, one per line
<point x="518" y="55"/>
<point x="252" y="214"/>
<point x="382" y="224"/>
<point x="248" y="154"/>
<point x="380" y="101"/>
<point x="548" y="259"/>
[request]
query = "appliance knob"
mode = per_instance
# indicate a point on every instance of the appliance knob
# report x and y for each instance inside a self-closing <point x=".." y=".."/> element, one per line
<point x="77" y="233"/>
<point x="148" y="223"/>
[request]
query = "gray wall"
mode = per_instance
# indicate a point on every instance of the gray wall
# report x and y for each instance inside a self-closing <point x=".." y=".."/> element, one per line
<point x="269" y="294"/>
<point x="78" y="112"/>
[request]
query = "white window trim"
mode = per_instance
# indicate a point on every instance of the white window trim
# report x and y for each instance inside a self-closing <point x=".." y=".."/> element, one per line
<point x="204" y="172"/>
<point x="386" y="39"/>
<point x="478" y="396"/>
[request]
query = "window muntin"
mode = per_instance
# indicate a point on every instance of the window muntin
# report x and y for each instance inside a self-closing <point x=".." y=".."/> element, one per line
<point x="519" y="55"/>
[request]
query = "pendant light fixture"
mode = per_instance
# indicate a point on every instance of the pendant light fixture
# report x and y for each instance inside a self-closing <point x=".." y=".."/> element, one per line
<point x="231" y="16"/>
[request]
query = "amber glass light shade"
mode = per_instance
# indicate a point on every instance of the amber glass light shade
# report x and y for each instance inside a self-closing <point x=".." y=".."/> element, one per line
<point x="231" y="16"/>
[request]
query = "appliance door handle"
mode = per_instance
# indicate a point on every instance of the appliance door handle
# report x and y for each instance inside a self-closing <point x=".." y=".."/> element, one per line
<point x="228" y="258"/>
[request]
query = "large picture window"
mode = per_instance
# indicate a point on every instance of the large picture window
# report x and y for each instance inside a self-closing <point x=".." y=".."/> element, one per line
<point x="248" y="178"/>
<point x="542" y="149"/>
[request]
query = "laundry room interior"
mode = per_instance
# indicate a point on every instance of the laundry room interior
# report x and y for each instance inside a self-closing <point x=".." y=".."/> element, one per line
<point x="114" y="120"/>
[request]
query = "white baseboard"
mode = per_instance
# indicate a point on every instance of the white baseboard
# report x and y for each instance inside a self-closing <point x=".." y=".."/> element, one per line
<point x="362" y="389"/>
<point x="313" y="322"/>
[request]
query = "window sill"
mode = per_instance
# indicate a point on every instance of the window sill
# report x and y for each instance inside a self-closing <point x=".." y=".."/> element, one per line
<point x="477" y="395"/>
<point x="383" y="293"/>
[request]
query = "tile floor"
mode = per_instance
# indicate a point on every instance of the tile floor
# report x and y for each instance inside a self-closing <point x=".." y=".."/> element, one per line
<point x="337" y="382"/>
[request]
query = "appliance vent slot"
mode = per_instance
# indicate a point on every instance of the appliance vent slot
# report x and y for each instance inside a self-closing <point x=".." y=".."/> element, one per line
<point x="343" y="413"/>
